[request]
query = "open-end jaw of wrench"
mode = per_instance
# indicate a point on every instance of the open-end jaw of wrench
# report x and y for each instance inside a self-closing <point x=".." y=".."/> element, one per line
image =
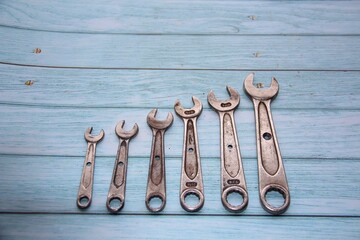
<point x="232" y="172"/>
<point x="271" y="170"/>
<point x="191" y="176"/>
<point x="87" y="177"/>
<point x="156" y="185"/>
<point x="116" y="196"/>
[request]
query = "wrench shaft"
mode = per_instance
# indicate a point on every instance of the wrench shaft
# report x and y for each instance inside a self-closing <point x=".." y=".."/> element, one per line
<point x="118" y="180"/>
<point x="232" y="173"/>
<point x="156" y="186"/>
<point x="270" y="165"/>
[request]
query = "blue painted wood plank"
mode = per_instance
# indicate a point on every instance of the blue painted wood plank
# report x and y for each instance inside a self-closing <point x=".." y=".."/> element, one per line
<point x="180" y="52"/>
<point x="44" y="184"/>
<point x="82" y="88"/>
<point x="185" y="17"/>
<point x="59" y="131"/>
<point x="175" y="227"/>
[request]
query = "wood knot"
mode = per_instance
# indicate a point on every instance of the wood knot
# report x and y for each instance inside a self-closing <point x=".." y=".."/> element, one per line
<point x="37" y="50"/>
<point x="29" y="82"/>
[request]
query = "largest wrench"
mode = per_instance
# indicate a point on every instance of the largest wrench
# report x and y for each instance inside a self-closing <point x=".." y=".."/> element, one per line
<point x="271" y="170"/>
<point x="191" y="176"/>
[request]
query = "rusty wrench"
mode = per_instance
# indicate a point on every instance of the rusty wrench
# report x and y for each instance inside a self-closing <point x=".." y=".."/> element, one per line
<point x="191" y="175"/>
<point x="271" y="170"/>
<point x="156" y="184"/>
<point x="232" y="172"/>
<point x="87" y="177"/>
<point x="116" y="196"/>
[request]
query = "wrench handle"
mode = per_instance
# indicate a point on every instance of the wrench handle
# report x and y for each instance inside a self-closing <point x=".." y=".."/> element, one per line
<point x="87" y="177"/>
<point x="232" y="173"/>
<point x="118" y="180"/>
<point x="156" y="184"/>
<point x="271" y="170"/>
<point x="191" y="175"/>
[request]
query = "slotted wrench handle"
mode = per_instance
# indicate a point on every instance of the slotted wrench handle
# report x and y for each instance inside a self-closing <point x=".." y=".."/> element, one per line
<point x="271" y="170"/>
<point x="191" y="175"/>
<point x="232" y="173"/>
<point x="87" y="177"/>
<point x="118" y="180"/>
<point x="156" y="185"/>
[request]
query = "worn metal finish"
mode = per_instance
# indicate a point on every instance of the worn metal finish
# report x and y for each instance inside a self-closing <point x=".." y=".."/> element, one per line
<point x="191" y="176"/>
<point x="156" y="184"/>
<point x="232" y="172"/>
<point x="118" y="181"/>
<point x="271" y="170"/>
<point x="87" y="177"/>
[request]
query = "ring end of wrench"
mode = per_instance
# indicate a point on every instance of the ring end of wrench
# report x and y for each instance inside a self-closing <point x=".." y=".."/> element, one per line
<point x="83" y="201"/>
<point x="118" y="207"/>
<point x="235" y="208"/>
<point x="270" y="208"/>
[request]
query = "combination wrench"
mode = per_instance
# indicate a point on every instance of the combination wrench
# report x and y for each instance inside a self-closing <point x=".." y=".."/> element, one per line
<point x="191" y="176"/>
<point x="271" y="171"/>
<point x="232" y="172"/>
<point x="156" y="184"/>
<point x="116" y="195"/>
<point x="84" y="196"/>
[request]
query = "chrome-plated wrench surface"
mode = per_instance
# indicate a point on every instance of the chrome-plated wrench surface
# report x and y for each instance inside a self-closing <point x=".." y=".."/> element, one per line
<point x="84" y="196"/>
<point x="156" y="184"/>
<point x="271" y="170"/>
<point x="232" y="172"/>
<point x="118" y="181"/>
<point x="191" y="176"/>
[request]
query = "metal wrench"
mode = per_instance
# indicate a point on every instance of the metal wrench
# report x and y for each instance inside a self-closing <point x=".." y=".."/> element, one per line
<point x="191" y="175"/>
<point x="118" y="181"/>
<point x="271" y="170"/>
<point x="87" y="177"/>
<point x="156" y="185"/>
<point x="232" y="172"/>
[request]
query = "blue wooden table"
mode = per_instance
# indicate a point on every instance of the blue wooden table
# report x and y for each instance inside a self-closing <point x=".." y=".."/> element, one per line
<point x="68" y="65"/>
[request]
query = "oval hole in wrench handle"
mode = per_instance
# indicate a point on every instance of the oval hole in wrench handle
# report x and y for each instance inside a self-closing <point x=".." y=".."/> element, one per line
<point x="271" y="170"/>
<point x="116" y="196"/>
<point x="156" y="185"/>
<point x="84" y="196"/>
<point x="191" y="182"/>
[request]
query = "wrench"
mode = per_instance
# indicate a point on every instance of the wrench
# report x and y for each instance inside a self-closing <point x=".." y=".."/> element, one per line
<point x="118" y="181"/>
<point x="191" y="176"/>
<point x="156" y="184"/>
<point x="232" y="172"/>
<point x="87" y="177"/>
<point x="271" y="170"/>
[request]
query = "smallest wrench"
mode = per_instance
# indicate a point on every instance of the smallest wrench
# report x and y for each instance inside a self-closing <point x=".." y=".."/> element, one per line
<point x="232" y="172"/>
<point x="156" y="184"/>
<point x="191" y="182"/>
<point x="87" y="177"/>
<point x="116" y="196"/>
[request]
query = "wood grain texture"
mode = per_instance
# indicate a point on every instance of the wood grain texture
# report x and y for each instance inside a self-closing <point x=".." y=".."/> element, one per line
<point x="59" y="131"/>
<point x="44" y="184"/>
<point x="185" y="17"/>
<point x="142" y="88"/>
<point x="181" y="227"/>
<point x="179" y="52"/>
<point x="95" y="63"/>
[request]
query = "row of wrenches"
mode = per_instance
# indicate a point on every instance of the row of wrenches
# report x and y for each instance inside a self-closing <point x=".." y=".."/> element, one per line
<point x="271" y="171"/>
